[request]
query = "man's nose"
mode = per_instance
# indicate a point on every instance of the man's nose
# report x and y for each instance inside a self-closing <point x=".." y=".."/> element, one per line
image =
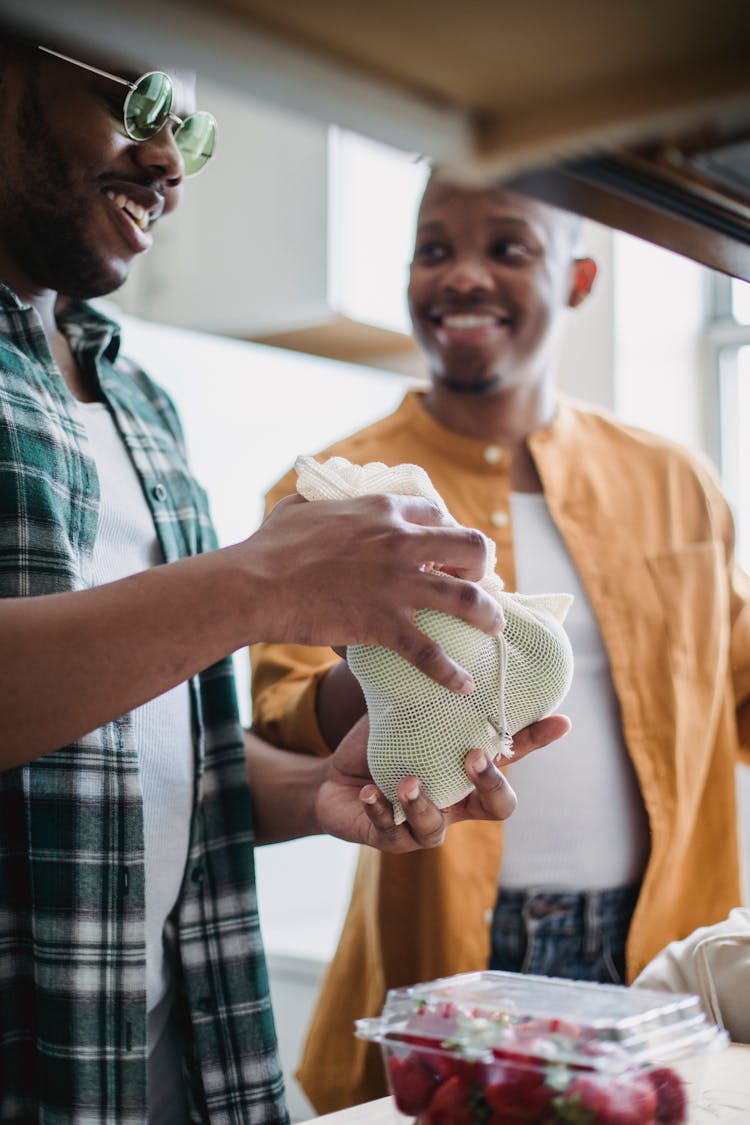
<point x="161" y="156"/>
<point x="467" y="273"/>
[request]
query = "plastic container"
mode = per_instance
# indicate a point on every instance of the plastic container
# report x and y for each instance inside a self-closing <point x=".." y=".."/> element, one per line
<point x="495" y="1048"/>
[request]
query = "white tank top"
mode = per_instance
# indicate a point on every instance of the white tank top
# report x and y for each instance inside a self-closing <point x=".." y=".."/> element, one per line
<point x="126" y="543"/>
<point x="580" y="823"/>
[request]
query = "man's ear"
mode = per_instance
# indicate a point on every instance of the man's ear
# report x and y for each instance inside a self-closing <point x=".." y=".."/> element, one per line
<point x="584" y="274"/>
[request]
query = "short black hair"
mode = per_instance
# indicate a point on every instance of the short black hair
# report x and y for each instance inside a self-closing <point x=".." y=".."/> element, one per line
<point x="436" y="171"/>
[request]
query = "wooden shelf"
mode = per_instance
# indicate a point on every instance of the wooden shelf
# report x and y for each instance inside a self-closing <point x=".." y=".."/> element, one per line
<point x="351" y="341"/>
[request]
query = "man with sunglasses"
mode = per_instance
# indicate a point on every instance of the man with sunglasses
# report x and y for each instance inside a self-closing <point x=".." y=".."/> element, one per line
<point x="132" y="979"/>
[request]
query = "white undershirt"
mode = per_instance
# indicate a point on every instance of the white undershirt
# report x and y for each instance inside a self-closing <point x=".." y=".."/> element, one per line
<point x="126" y="543"/>
<point x="580" y="823"/>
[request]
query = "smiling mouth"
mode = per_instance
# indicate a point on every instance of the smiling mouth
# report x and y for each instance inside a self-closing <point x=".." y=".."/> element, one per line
<point x="133" y="210"/>
<point x="467" y="321"/>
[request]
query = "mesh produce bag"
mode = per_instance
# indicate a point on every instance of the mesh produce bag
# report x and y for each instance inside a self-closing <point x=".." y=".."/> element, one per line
<point x="418" y="727"/>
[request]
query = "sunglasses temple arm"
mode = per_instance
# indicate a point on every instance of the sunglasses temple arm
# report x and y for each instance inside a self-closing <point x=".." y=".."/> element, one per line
<point x="86" y="66"/>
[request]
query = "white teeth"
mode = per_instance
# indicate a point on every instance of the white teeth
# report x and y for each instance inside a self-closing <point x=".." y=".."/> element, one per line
<point x="138" y="214"/>
<point x="468" y="320"/>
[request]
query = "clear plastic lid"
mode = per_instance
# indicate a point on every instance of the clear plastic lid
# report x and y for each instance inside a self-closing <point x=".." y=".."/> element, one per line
<point x="475" y="1014"/>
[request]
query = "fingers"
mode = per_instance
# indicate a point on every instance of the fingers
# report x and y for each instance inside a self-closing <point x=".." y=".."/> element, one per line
<point x="426" y="821"/>
<point x="465" y="600"/>
<point x="493" y="799"/>
<point x="461" y="551"/>
<point x="539" y="734"/>
<point x="424" y="826"/>
<point x="493" y="790"/>
<point x="428" y="657"/>
<point x="420" y="510"/>
<point x="365" y="560"/>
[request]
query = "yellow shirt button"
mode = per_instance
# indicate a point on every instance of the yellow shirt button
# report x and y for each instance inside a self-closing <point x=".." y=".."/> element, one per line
<point x="499" y="519"/>
<point x="493" y="454"/>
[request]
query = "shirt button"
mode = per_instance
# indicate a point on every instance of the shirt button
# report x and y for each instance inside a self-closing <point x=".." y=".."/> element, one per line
<point x="488" y="916"/>
<point x="159" y="493"/>
<point x="493" y="454"/>
<point x="499" y="519"/>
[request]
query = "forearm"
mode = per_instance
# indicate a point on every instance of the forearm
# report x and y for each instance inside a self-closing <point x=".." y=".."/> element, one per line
<point x="71" y="662"/>
<point x="340" y="703"/>
<point x="284" y="788"/>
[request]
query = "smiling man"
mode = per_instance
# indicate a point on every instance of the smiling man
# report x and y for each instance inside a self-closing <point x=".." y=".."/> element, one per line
<point x="625" y="836"/>
<point x="132" y="979"/>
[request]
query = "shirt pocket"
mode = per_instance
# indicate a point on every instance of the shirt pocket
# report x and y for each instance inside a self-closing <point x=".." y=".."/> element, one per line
<point x="692" y="590"/>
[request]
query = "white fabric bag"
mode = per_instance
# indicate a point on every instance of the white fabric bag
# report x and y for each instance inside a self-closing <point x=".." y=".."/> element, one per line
<point x="418" y="727"/>
<point x="714" y="963"/>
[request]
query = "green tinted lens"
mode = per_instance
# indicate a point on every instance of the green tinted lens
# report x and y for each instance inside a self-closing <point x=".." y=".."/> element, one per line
<point x="148" y="105"/>
<point x="196" y="140"/>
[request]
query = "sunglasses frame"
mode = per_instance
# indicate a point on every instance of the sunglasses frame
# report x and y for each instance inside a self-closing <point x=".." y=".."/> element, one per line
<point x="132" y="87"/>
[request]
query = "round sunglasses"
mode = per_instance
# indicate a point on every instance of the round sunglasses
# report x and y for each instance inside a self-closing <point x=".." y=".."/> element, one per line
<point x="147" y="109"/>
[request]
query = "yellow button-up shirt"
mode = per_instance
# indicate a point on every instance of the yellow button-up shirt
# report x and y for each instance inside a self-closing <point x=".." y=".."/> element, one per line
<point x="652" y="539"/>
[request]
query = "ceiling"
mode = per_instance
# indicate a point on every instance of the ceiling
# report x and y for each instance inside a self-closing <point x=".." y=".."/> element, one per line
<point x="533" y="73"/>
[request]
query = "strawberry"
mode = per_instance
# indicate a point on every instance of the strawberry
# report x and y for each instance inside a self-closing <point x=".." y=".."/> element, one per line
<point x="519" y="1091"/>
<point x="412" y="1082"/>
<point x="452" y="1104"/>
<point x="642" y="1094"/>
<point x="509" y="1119"/>
<point x="433" y="1032"/>
<point x="597" y="1099"/>
<point x="671" y="1102"/>
<point x="446" y="1065"/>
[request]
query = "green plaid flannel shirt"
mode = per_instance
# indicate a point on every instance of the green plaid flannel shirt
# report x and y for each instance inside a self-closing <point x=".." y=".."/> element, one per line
<point x="72" y="953"/>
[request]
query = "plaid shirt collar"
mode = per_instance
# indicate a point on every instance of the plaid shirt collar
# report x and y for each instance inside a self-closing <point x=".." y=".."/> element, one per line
<point x="78" y="320"/>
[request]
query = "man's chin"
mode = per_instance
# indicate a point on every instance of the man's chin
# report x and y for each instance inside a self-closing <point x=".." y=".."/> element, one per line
<point x="96" y="283"/>
<point x="485" y="385"/>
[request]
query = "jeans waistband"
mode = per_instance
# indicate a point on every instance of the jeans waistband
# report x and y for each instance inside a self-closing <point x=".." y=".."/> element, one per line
<point x="564" y="932"/>
<point x="599" y="907"/>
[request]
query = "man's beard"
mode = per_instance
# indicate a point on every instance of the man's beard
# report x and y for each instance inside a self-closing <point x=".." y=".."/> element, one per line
<point x="480" y="387"/>
<point x="47" y="240"/>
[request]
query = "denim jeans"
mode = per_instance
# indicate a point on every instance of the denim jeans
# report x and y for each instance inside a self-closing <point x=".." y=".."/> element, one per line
<point x="579" y="935"/>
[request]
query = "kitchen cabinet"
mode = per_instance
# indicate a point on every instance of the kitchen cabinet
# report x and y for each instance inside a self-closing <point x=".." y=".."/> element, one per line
<point x="636" y="112"/>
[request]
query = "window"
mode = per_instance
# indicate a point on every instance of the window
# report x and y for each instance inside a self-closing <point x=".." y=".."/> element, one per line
<point x="374" y="194"/>
<point x="729" y="338"/>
